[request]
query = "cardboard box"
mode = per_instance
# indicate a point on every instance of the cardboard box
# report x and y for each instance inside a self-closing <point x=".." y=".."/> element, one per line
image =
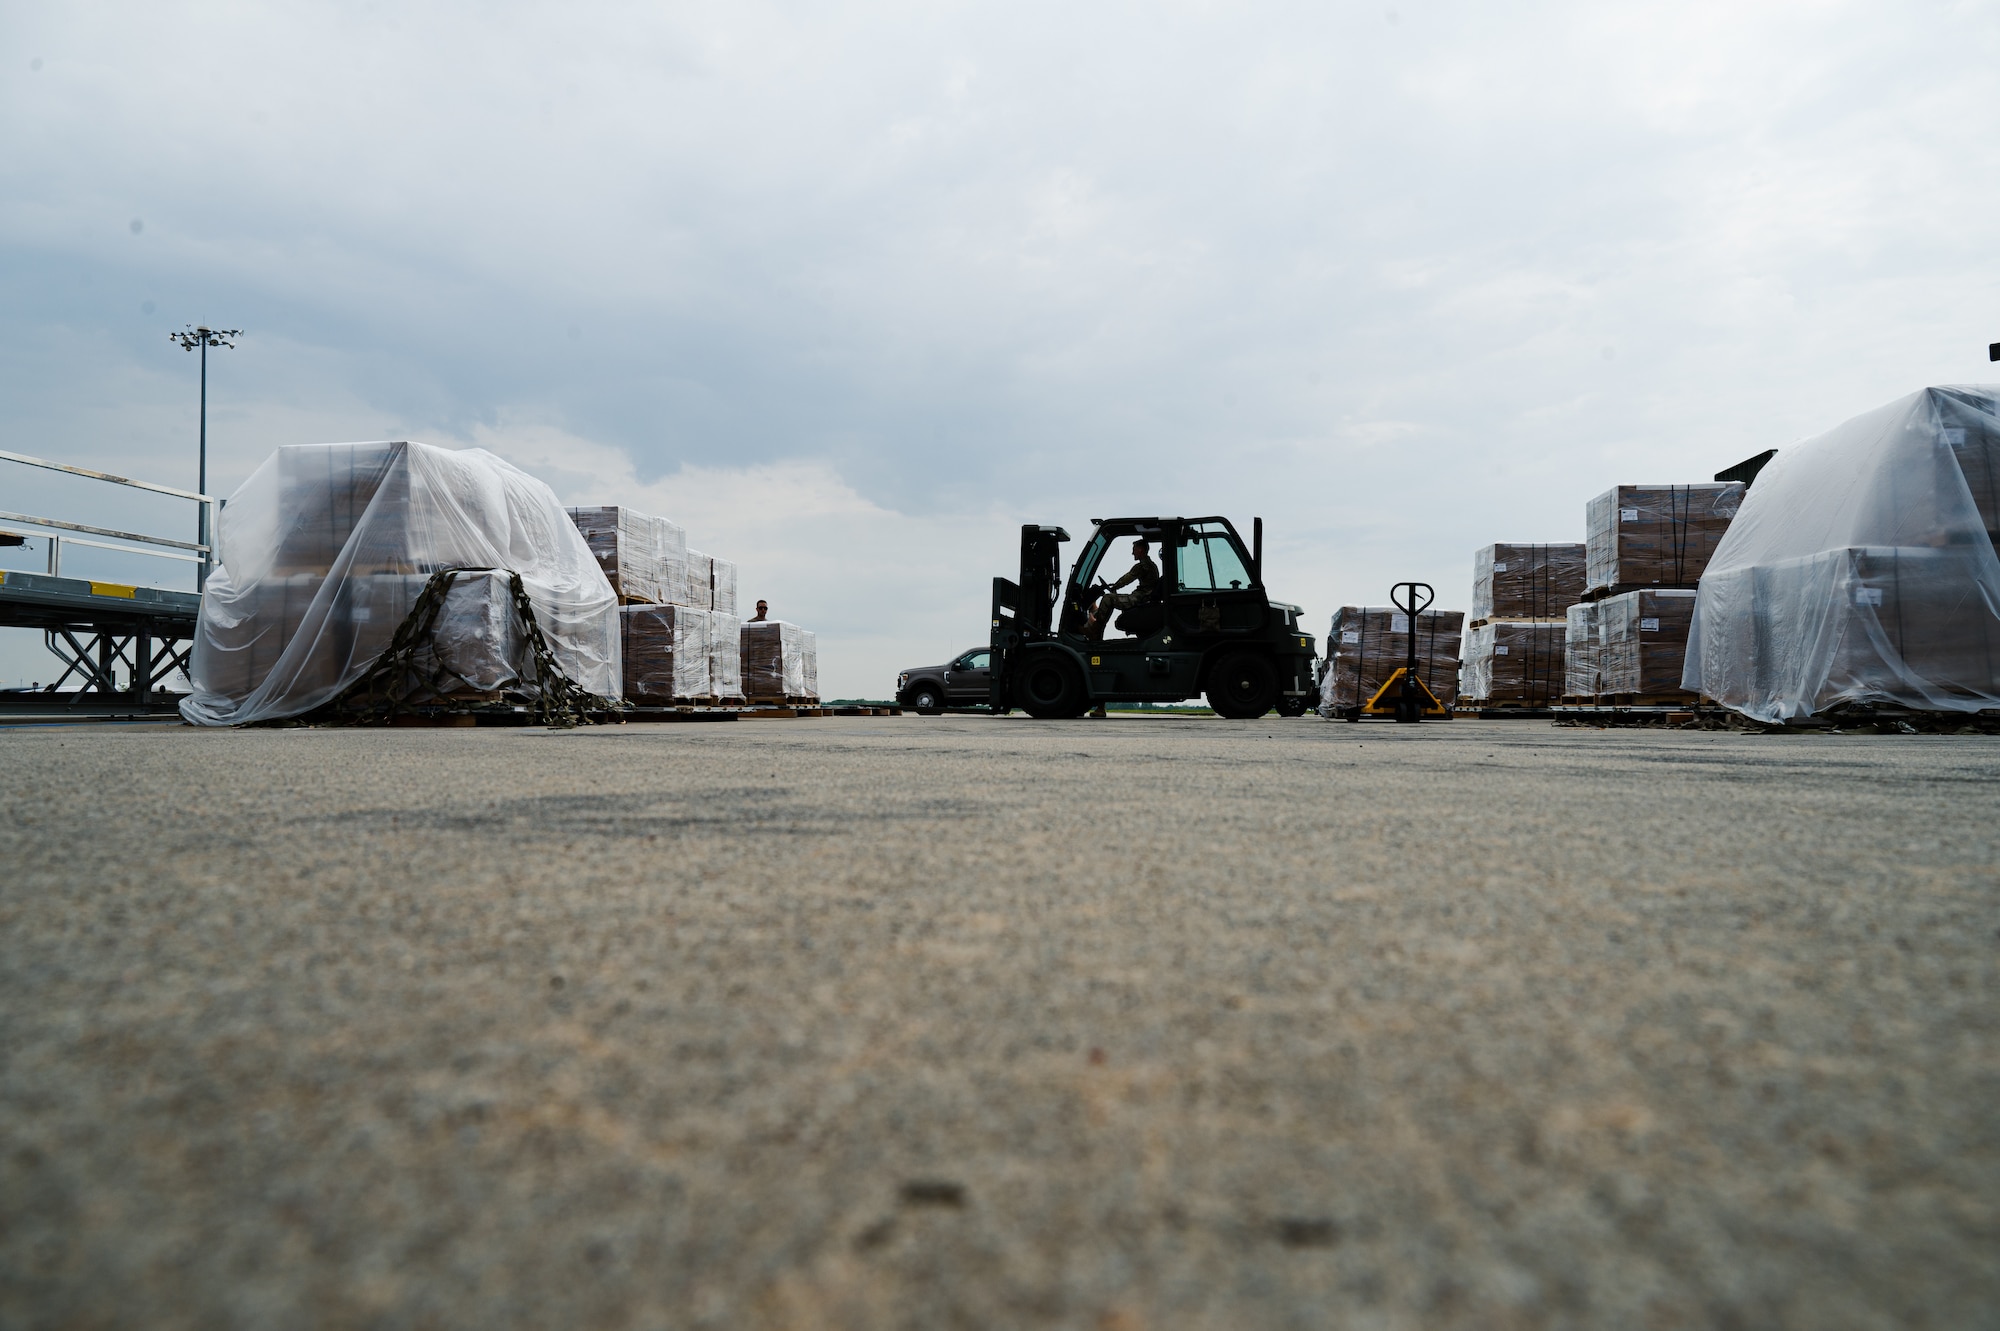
<point x="1581" y="676"/>
<point x="1656" y="535"/>
<point x="1514" y="661"/>
<point x="774" y="657"/>
<point x="1526" y="581"/>
<point x="1642" y="642"/>
<point x="626" y="543"/>
<point x="666" y="650"/>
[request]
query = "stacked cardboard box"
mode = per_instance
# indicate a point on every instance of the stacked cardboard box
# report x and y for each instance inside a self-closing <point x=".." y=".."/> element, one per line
<point x="1525" y="581"/>
<point x="666" y="650"/>
<point x="643" y="557"/>
<point x="1514" y="661"/>
<point x="1367" y="644"/>
<point x="1642" y="644"/>
<point x="725" y="656"/>
<point x="1655" y="535"/>
<point x="1581" y="677"/>
<point x="780" y="660"/>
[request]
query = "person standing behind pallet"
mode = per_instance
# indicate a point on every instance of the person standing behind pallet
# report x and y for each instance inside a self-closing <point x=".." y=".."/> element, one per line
<point x="763" y="613"/>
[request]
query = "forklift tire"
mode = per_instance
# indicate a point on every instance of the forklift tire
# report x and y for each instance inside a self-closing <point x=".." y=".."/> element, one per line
<point x="1050" y="687"/>
<point x="927" y="700"/>
<point x="1243" y="686"/>
<point x="1291" y="707"/>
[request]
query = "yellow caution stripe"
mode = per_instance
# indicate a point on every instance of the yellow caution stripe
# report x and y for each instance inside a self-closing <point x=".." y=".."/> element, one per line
<point x="112" y="589"/>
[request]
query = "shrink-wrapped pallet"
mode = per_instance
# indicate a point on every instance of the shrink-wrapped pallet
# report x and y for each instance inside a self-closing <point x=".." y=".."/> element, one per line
<point x="1581" y="678"/>
<point x="626" y="544"/>
<point x="670" y="553"/>
<point x="1366" y="645"/>
<point x="725" y="656"/>
<point x="809" y="663"/>
<point x="1513" y="661"/>
<point x="700" y="589"/>
<point x="1642" y="643"/>
<point x="774" y="660"/>
<point x="722" y="577"/>
<point x="666" y="652"/>
<point x="1862" y="569"/>
<point x="1525" y="581"/>
<point x="1656" y="535"/>
<point x="284" y="630"/>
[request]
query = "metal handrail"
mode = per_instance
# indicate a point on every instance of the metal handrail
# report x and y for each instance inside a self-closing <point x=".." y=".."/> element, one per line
<point x="5" y="456"/>
<point x="203" y="554"/>
<point x="106" y="531"/>
<point x="97" y="545"/>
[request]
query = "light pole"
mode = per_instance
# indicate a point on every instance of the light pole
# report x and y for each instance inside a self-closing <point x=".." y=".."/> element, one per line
<point x="204" y="337"/>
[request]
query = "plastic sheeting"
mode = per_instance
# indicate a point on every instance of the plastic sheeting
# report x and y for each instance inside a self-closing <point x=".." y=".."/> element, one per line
<point x="644" y="557"/>
<point x="1516" y="661"/>
<point x="326" y="548"/>
<point x="1642" y="641"/>
<point x="1581" y="678"/>
<point x="700" y="581"/>
<point x="1526" y="581"/>
<point x="1862" y="568"/>
<point x="780" y="660"/>
<point x="1656" y="535"/>
<point x="725" y="653"/>
<point x="666" y="650"/>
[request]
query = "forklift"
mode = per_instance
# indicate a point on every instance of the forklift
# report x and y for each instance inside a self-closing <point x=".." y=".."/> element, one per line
<point x="1208" y="628"/>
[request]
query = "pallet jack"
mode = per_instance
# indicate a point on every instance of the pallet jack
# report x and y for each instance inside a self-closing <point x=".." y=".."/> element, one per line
<point x="1404" y="695"/>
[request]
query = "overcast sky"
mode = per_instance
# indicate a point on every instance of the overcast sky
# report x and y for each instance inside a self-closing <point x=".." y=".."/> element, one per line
<point x="853" y="290"/>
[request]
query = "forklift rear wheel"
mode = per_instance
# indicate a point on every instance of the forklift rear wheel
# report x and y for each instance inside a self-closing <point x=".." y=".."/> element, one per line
<point x="927" y="700"/>
<point x="1050" y="687"/>
<point x="1243" y="687"/>
<point x="1291" y="707"/>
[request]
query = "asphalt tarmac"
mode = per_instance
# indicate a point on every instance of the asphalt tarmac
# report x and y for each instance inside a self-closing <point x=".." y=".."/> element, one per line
<point x="966" y="1022"/>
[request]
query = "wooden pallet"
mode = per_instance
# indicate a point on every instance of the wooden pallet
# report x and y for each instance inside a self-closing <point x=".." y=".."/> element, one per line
<point x="1677" y="698"/>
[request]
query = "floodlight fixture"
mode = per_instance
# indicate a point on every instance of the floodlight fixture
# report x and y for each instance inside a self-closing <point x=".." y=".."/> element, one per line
<point x="204" y="337"/>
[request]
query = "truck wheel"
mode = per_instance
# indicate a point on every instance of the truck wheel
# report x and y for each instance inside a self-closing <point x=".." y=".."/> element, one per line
<point x="1291" y="707"/>
<point x="927" y="700"/>
<point x="1243" y="686"/>
<point x="1050" y="687"/>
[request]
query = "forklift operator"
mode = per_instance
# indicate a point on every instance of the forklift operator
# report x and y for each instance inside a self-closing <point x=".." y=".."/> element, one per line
<point x="1144" y="572"/>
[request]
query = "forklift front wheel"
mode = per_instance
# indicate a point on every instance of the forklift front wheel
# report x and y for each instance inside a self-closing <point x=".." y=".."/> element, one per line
<point x="1291" y="707"/>
<point x="1243" y="686"/>
<point x="1051" y="687"/>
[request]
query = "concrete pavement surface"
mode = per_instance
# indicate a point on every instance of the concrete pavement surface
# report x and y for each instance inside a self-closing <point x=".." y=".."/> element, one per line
<point x="971" y="1022"/>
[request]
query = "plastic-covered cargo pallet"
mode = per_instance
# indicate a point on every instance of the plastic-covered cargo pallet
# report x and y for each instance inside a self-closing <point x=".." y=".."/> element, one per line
<point x="1525" y="581"/>
<point x="779" y="660"/>
<point x="1581" y="678"/>
<point x="725" y="654"/>
<point x="1862" y="569"/>
<point x="1367" y="644"/>
<point x="327" y="548"/>
<point x="667" y="653"/>
<point x="1642" y="642"/>
<point x="1513" y="661"/>
<point x="1655" y="535"/>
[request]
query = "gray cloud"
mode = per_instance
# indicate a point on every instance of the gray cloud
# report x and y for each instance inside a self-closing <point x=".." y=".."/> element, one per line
<point x="1403" y="288"/>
